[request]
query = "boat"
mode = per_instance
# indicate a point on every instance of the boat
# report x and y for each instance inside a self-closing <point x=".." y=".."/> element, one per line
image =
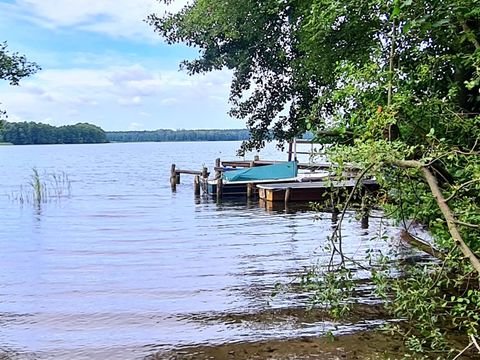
<point x="235" y="182"/>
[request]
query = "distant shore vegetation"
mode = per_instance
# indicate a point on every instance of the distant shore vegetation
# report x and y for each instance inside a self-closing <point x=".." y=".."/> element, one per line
<point x="179" y="135"/>
<point x="32" y="133"/>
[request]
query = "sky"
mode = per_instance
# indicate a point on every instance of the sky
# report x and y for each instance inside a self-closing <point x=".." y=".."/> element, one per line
<point x="102" y="64"/>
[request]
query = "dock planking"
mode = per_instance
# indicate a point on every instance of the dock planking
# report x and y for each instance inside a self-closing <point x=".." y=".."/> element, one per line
<point x="308" y="191"/>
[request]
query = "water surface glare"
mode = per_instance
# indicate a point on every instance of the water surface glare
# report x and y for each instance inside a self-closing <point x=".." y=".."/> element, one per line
<point x="122" y="267"/>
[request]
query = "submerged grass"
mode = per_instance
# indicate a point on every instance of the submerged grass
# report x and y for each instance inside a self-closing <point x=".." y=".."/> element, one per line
<point x="43" y="188"/>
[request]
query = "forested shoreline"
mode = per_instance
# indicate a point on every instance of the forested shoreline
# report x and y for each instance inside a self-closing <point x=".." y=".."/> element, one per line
<point x="32" y="133"/>
<point x="163" y="135"/>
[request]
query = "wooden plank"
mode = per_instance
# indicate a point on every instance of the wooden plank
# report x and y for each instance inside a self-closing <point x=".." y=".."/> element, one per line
<point x="310" y="191"/>
<point x="189" y="172"/>
<point x="248" y="163"/>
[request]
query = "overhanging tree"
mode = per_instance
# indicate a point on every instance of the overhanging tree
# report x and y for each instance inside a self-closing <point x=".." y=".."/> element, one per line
<point x="390" y="85"/>
<point x="13" y="68"/>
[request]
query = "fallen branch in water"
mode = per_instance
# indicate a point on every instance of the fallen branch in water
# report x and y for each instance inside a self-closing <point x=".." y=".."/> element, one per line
<point x="421" y="245"/>
<point x="444" y="208"/>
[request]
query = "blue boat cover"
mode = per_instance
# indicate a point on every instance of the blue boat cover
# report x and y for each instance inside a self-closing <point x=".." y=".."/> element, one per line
<point x="282" y="170"/>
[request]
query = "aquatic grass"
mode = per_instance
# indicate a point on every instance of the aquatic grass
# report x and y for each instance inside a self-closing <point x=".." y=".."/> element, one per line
<point x="38" y="187"/>
<point x="43" y="188"/>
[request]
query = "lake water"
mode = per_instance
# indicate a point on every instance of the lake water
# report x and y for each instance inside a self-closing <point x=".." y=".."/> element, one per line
<point x="122" y="267"/>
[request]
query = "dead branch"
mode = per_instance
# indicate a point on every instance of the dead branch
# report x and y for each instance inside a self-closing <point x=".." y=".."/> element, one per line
<point x="474" y="341"/>
<point x="421" y="245"/>
<point x="463" y="351"/>
<point x="473" y="226"/>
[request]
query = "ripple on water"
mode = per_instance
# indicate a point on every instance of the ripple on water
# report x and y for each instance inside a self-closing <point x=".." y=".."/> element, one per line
<point x="123" y="267"/>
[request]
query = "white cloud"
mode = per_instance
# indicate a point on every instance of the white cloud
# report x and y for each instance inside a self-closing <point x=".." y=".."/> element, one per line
<point x="116" y="18"/>
<point x="113" y="97"/>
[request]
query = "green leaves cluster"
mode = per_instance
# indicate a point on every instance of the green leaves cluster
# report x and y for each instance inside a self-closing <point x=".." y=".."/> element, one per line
<point x="14" y="67"/>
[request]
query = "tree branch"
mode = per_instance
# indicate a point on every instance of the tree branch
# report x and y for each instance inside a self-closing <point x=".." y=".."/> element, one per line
<point x="461" y="187"/>
<point x="474" y="341"/>
<point x="463" y="351"/>
<point x="442" y="204"/>
<point x="421" y="245"/>
<point x="473" y="226"/>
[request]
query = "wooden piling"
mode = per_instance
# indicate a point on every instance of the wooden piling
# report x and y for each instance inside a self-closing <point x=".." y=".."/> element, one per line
<point x="365" y="210"/>
<point x="287" y="195"/>
<point x="219" y="188"/>
<point x="196" y="185"/>
<point x="173" y="178"/>
<point x="218" y="173"/>
<point x="335" y="213"/>
<point x="205" y="172"/>
<point x="250" y="190"/>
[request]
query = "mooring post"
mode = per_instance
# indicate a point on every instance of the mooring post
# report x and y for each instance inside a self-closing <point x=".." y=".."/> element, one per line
<point x="365" y="210"/>
<point x="218" y="173"/>
<point x="219" y="188"/>
<point x="173" y="178"/>
<point x="250" y="190"/>
<point x="335" y="210"/>
<point x="196" y="185"/>
<point x="335" y="213"/>
<point x="287" y="195"/>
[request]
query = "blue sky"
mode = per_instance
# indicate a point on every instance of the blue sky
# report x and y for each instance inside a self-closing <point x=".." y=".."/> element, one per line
<point x="102" y="64"/>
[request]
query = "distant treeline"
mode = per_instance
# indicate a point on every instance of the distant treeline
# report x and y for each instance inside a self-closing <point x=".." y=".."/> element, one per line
<point x="25" y="133"/>
<point x="178" y="135"/>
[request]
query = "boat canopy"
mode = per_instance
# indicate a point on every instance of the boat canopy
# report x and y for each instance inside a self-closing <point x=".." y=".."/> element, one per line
<point x="283" y="170"/>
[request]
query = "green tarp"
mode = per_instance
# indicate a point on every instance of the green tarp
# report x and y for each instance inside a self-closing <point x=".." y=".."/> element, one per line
<point x="283" y="170"/>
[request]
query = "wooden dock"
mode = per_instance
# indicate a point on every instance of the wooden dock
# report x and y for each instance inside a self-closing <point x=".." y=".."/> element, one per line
<point x="308" y="191"/>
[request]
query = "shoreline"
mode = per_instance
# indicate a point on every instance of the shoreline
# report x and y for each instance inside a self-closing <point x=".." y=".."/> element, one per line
<point x="369" y="344"/>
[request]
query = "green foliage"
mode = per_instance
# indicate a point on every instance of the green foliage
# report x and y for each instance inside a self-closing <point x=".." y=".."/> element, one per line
<point x="24" y="133"/>
<point x="255" y="39"/>
<point x="14" y="67"/>
<point x="331" y="289"/>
